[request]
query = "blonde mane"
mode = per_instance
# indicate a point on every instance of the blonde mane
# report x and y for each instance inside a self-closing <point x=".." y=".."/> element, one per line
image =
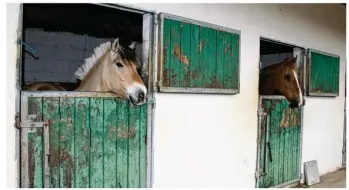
<point x="92" y="60"/>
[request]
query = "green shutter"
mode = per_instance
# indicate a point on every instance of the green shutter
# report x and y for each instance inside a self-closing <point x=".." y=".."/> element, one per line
<point x="94" y="143"/>
<point x="198" y="57"/>
<point x="323" y="79"/>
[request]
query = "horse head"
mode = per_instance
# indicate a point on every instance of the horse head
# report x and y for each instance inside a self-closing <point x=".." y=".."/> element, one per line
<point x="113" y="68"/>
<point x="282" y="79"/>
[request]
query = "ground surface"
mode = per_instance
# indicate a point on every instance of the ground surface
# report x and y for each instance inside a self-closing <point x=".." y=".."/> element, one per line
<point x="335" y="179"/>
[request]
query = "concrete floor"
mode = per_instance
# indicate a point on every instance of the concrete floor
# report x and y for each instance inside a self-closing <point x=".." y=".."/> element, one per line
<point x="335" y="179"/>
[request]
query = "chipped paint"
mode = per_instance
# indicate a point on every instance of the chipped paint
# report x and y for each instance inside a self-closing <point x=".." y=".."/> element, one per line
<point x="182" y="58"/>
<point x="200" y="46"/>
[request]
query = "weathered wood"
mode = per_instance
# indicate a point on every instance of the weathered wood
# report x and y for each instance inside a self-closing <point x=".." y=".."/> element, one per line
<point x="67" y="110"/>
<point x="133" y="147"/>
<point x="199" y="56"/>
<point x="94" y="142"/>
<point x="122" y="145"/>
<point x="82" y="142"/>
<point x="110" y="152"/>
<point x="221" y="43"/>
<point x="282" y="161"/>
<point x="195" y="49"/>
<point x="235" y="44"/>
<point x="97" y="137"/>
<point x="167" y="53"/>
<point x="35" y="146"/>
<point x="175" y="68"/>
<point x="211" y="64"/>
<point x="324" y="73"/>
<point x="143" y="147"/>
<point x="52" y="116"/>
<point x="184" y="55"/>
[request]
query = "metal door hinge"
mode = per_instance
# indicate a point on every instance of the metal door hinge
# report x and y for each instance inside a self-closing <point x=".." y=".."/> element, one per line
<point x="261" y="112"/>
<point x="17" y="121"/>
<point x="258" y="174"/>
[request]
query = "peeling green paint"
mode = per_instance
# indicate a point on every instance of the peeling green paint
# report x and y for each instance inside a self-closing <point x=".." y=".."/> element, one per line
<point x="94" y="143"/>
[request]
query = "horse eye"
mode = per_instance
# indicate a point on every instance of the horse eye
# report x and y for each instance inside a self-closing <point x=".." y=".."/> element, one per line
<point x="119" y="65"/>
<point x="287" y="77"/>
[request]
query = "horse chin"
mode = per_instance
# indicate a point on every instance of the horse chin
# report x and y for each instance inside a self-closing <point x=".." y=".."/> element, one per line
<point x="134" y="103"/>
<point x="294" y="105"/>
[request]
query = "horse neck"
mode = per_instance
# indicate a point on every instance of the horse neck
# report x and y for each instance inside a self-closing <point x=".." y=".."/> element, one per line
<point x="266" y="84"/>
<point x="93" y="80"/>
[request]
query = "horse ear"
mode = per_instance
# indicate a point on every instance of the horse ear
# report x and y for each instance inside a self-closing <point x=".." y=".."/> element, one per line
<point x="132" y="46"/>
<point x="115" y="44"/>
<point x="294" y="59"/>
<point x="287" y="58"/>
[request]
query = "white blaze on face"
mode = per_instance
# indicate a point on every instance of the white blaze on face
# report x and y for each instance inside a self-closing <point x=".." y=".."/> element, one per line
<point x="300" y="91"/>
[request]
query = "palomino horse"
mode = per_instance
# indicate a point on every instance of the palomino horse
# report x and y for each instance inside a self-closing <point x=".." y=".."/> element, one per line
<point x="111" y="68"/>
<point x="282" y="79"/>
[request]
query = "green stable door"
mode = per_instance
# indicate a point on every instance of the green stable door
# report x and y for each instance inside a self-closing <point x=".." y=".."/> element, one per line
<point x="83" y="142"/>
<point x="279" y="144"/>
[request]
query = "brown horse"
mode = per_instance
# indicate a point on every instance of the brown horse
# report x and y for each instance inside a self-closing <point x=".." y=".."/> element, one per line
<point x="282" y="79"/>
<point x="111" y="68"/>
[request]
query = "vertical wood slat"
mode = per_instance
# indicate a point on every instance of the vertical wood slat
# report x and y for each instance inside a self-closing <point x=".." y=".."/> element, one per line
<point x="133" y="147"/>
<point x="66" y="137"/>
<point x="110" y="152"/>
<point x="194" y="59"/>
<point x="97" y="138"/>
<point x="122" y="145"/>
<point x="82" y="142"/>
<point x="52" y="116"/>
<point x="94" y="142"/>
<point x="35" y="146"/>
<point x="175" y="67"/>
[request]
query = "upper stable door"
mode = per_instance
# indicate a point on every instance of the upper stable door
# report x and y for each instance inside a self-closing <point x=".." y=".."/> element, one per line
<point x="197" y="57"/>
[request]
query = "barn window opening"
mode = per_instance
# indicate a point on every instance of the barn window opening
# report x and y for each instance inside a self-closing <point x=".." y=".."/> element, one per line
<point x="64" y="35"/>
<point x="272" y="53"/>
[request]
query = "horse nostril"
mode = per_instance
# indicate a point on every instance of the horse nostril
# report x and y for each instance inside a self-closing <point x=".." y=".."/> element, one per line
<point x="140" y="96"/>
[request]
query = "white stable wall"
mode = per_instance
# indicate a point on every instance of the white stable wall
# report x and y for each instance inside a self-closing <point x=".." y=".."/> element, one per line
<point x="12" y="26"/>
<point x="210" y="140"/>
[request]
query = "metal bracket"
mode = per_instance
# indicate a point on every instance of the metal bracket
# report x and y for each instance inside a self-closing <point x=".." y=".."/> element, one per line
<point x="157" y="86"/>
<point x="30" y="123"/>
<point x="261" y="112"/>
<point x="258" y="174"/>
<point x="152" y="101"/>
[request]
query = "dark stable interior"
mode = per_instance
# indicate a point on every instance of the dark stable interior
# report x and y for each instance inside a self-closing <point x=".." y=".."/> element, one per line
<point x="93" y="20"/>
<point x="274" y="48"/>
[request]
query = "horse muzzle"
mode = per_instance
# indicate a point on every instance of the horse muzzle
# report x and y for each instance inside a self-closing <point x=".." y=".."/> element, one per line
<point x="138" y="99"/>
